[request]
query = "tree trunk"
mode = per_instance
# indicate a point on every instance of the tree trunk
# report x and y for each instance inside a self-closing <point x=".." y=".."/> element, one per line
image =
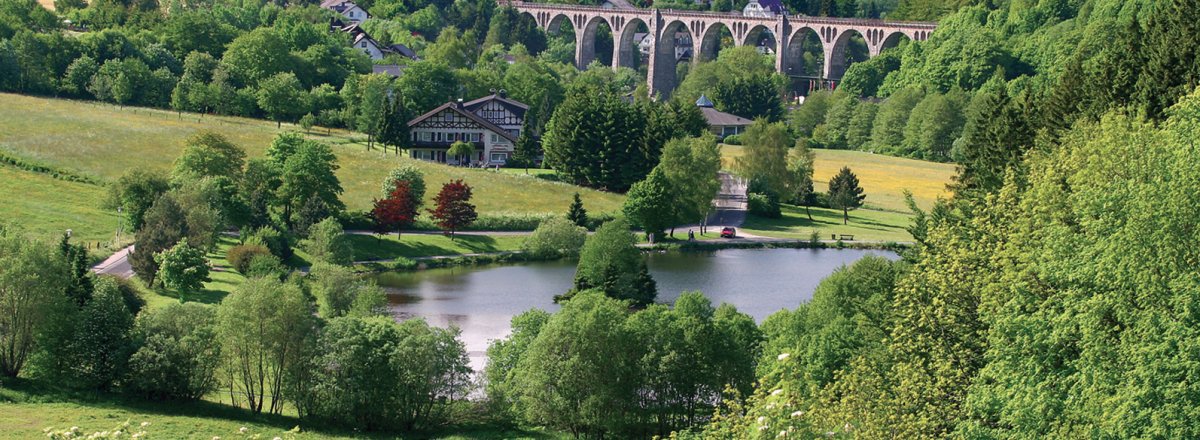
<point x="808" y="211"/>
<point x="845" y="216"/>
<point x="278" y="124"/>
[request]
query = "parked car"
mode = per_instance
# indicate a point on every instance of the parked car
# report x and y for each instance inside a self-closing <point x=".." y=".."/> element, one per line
<point x="728" y="233"/>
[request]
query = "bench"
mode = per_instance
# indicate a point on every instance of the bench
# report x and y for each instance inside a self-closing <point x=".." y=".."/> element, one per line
<point x="843" y="237"/>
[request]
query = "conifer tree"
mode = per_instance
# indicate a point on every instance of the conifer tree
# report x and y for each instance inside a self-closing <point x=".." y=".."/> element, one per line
<point x="577" y="214"/>
<point x="845" y="194"/>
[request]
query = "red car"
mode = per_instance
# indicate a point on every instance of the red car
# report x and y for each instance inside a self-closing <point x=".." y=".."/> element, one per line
<point x="728" y="233"/>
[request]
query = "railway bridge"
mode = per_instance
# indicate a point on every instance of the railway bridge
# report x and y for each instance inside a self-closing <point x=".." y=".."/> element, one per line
<point x="704" y="29"/>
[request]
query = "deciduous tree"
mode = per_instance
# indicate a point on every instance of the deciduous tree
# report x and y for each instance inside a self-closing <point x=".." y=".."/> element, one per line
<point x="395" y="211"/>
<point x="454" y="210"/>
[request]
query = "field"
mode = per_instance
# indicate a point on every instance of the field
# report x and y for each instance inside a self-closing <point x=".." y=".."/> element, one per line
<point x="865" y="225"/>
<point x="369" y="247"/>
<point x="884" y="178"/>
<point x="26" y="408"/>
<point x="104" y="141"/>
<point x="46" y="206"/>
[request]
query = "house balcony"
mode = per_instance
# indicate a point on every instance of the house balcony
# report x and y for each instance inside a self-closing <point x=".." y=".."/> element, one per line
<point x="444" y="145"/>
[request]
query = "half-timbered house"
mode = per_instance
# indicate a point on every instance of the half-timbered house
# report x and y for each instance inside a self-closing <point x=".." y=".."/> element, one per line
<point x="491" y="123"/>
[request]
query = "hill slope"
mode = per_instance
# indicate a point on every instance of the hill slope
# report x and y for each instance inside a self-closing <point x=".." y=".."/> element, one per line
<point x="104" y="141"/>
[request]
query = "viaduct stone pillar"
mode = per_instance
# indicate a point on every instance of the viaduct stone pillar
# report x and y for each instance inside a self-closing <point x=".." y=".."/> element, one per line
<point x="655" y="76"/>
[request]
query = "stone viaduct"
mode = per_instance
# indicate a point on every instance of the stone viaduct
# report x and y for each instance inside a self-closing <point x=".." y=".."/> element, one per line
<point x="705" y="29"/>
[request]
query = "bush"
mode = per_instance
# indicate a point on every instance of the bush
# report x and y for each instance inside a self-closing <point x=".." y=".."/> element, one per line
<point x="377" y="374"/>
<point x="177" y="353"/>
<point x="129" y="294"/>
<point x="327" y="242"/>
<point x="555" y="237"/>
<point x="239" y="256"/>
<point x="277" y="242"/>
<point x="764" y="205"/>
<point x="268" y="266"/>
<point x="733" y="139"/>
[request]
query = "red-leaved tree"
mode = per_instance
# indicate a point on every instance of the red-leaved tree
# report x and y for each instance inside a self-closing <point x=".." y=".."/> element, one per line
<point x="396" y="211"/>
<point x="454" y="210"/>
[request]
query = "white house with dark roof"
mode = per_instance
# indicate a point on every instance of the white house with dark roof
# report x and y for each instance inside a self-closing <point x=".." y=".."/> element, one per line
<point x="720" y="123"/>
<point x="348" y="9"/>
<point x="764" y="8"/>
<point x="491" y="123"/>
<point x="361" y="40"/>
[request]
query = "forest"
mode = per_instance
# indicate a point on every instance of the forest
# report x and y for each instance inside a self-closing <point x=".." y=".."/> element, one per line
<point x="1052" y="296"/>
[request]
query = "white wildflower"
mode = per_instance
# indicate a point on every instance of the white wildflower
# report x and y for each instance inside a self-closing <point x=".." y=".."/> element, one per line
<point x="782" y="434"/>
<point x="145" y="424"/>
<point x="762" y="419"/>
<point x="783" y="356"/>
<point x="243" y="430"/>
<point x="797" y="414"/>
<point x="777" y="392"/>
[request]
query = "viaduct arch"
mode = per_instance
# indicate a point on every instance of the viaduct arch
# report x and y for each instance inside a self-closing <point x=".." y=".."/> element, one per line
<point x="785" y="34"/>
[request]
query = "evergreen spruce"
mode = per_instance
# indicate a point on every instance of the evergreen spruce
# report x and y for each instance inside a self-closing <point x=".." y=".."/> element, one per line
<point x="577" y="214"/>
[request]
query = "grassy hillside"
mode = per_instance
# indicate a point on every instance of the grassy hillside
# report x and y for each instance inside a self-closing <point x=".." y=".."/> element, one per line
<point x="43" y="205"/>
<point x="884" y="178"/>
<point x="26" y="408"/>
<point x="104" y="141"/>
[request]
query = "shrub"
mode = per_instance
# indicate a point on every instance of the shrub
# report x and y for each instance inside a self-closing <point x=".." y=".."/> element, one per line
<point x="328" y="242"/>
<point x="375" y="373"/>
<point x="733" y="139"/>
<point x="268" y="266"/>
<point x="555" y="237"/>
<point x="277" y="242"/>
<point x="763" y="205"/>
<point x="177" y="353"/>
<point x="341" y="292"/>
<point x="239" y="256"/>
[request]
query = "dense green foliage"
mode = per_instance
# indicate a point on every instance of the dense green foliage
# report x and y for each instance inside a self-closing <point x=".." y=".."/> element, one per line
<point x="611" y="263"/>
<point x="596" y="369"/>
<point x="555" y="237"/>
<point x="376" y="374"/>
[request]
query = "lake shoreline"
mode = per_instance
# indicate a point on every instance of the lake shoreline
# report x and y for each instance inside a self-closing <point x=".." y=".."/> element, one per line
<point x="445" y="261"/>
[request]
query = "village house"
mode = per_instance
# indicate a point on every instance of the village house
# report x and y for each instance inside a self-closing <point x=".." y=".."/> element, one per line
<point x="361" y="40"/>
<point x="492" y="124"/>
<point x="348" y="9"/>
<point x="764" y="8"/>
<point x="720" y="123"/>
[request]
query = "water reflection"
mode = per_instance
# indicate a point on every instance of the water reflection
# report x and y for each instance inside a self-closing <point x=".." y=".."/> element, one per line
<point x="482" y="300"/>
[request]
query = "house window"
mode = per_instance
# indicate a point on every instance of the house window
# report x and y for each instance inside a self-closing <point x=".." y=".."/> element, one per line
<point x="475" y="137"/>
<point x="363" y="44"/>
<point x="494" y="138"/>
<point x="499" y="157"/>
<point x="425" y="136"/>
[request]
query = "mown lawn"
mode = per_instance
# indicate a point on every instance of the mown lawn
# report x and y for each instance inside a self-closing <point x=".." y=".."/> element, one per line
<point x="372" y="247"/>
<point x="865" y="225"/>
<point x="28" y="407"/>
<point x="884" y="178"/>
<point x="45" y="206"/>
<point x="104" y="141"/>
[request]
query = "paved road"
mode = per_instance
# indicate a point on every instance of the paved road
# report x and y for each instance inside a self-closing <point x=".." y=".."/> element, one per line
<point x="116" y="264"/>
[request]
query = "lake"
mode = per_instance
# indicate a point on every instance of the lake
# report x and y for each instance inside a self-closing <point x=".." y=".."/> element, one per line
<point x="481" y="300"/>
